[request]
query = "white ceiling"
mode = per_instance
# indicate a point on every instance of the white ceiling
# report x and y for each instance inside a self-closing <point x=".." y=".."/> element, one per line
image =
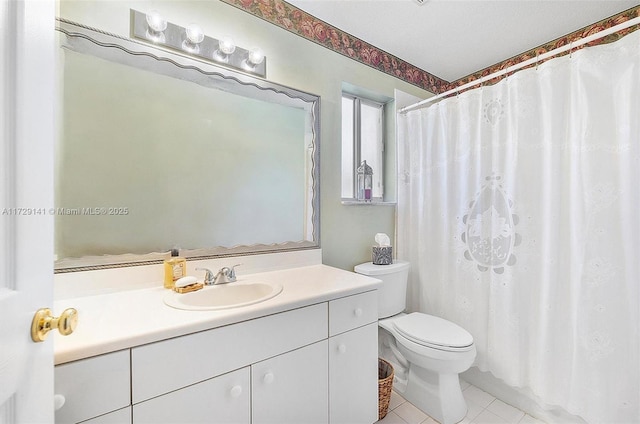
<point x="454" y="38"/>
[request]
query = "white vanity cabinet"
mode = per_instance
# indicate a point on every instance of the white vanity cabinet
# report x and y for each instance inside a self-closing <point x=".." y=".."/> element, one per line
<point x="164" y="366"/>
<point x="312" y="364"/>
<point x="353" y="359"/>
<point x="93" y="387"/>
<point x="288" y="388"/>
<point x="177" y="380"/>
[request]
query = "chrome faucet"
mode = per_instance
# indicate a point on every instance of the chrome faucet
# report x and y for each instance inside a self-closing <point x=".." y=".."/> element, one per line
<point x="224" y="275"/>
<point x="209" y="278"/>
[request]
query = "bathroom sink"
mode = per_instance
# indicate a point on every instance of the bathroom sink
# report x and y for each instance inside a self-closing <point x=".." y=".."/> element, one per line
<point x="223" y="296"/>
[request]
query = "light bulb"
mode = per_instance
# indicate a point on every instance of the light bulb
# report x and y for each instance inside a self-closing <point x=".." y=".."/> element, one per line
<point x="256" y="56"/>
<point x="194" y="34"/>
<point x="156" y="22"/>
<point x="226" y="45"/>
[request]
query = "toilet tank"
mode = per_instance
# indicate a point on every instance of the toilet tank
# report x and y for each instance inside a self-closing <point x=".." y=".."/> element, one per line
<point x="392" y="294"/>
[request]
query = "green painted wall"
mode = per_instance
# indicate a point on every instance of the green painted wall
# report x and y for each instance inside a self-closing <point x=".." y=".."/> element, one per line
<point x="346" y="231"/>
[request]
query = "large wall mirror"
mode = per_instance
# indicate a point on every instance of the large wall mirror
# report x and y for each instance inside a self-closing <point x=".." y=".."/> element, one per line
<point x="157" y="150"/>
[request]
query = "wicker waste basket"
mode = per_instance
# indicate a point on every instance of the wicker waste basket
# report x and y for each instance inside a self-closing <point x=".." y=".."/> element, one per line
<point x="385" y="383"/>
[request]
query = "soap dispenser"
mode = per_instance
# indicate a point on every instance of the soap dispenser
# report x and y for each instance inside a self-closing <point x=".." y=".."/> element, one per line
<point x="174" y="269"/>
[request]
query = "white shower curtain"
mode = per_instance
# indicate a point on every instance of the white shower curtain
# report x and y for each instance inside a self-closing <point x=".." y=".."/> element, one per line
<point x="519" y="210"/>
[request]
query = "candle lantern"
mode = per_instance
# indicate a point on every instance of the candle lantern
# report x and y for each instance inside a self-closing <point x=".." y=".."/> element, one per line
<point x="365" y="182"/>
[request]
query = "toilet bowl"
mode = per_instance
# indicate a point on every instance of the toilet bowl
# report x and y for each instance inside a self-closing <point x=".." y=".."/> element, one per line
<point x="427" y="352"/>
<point x="434" y="362"/>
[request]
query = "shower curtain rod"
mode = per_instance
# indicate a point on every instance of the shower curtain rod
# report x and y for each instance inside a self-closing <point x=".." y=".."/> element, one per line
<point x="528" y="62"/>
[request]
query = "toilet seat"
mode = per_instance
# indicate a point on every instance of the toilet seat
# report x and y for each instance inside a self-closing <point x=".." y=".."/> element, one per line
<point x="433" y="332"/>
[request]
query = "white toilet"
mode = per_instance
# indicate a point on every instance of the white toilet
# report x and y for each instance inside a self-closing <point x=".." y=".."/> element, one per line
<point x="427" y="352"/>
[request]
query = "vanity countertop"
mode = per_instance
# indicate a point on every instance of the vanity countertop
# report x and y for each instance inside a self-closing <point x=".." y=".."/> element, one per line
<point x="124" y="319"/>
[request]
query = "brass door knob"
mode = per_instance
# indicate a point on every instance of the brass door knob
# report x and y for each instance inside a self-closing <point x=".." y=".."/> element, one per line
<point x="44" y="321"/>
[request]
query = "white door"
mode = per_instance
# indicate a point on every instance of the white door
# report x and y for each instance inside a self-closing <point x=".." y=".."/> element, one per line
<point x="26" y="194"/>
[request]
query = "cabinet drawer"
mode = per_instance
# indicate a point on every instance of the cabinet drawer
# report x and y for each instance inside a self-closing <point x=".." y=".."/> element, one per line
<point x="353" y="311"/>
<point x="224" y="399"/>
<point x="168" y="365"/>
<point x="93" y="386"/>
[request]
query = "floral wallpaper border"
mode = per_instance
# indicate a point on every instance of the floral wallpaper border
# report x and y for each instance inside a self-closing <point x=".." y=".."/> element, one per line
<point x="297" y="21"/>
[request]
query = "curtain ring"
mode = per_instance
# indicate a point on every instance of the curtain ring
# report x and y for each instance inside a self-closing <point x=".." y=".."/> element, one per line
<point x="570" y="49"/>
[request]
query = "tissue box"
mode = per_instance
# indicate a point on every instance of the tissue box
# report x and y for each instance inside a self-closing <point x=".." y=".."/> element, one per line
<point x="382" y="255"/>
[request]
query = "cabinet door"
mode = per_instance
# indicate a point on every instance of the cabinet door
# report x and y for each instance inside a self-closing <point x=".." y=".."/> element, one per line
<point x="353" y="376"/>
<point x="224" y="399"/>
<point x="93" y="386"/>
<point x="291" y="388"/>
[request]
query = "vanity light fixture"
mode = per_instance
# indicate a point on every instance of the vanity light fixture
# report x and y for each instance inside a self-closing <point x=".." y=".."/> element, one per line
<point x="255" y="57"/>
<point x="156" y="25"/>
<point x="226" y="47"/>
<point x="194" y="37"/>
<point x="191" y="41"/>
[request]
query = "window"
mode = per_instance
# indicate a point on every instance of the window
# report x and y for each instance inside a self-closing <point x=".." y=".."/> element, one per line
<point x="362" y="139"/>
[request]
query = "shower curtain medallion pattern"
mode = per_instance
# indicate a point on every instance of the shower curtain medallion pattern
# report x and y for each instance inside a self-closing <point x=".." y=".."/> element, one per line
<point x="544" y="166"/>
<point x="490" y="229"/>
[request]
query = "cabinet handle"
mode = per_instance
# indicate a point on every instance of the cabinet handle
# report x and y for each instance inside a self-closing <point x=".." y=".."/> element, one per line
<point x="58" y="401"/>
<point x="268" y="378"/>
<point x="358" y="312"/>
<point x="342" y="348"/>
<point x="236" y="391"/>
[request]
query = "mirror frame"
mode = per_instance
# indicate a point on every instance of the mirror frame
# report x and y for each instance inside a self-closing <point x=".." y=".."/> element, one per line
<point x="128" y="51"/>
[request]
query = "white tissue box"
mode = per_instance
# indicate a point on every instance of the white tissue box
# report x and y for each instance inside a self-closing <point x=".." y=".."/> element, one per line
<point x="382" y="255"/>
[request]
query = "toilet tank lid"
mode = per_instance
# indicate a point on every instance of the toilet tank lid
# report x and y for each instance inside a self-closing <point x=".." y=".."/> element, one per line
<point x="369" y="268"/>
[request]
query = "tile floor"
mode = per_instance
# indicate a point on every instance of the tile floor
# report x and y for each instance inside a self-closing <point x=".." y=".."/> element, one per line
<point x="483" y="409"/>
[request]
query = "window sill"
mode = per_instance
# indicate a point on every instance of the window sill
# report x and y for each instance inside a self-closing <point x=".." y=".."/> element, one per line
<point x="361" y="203"/>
